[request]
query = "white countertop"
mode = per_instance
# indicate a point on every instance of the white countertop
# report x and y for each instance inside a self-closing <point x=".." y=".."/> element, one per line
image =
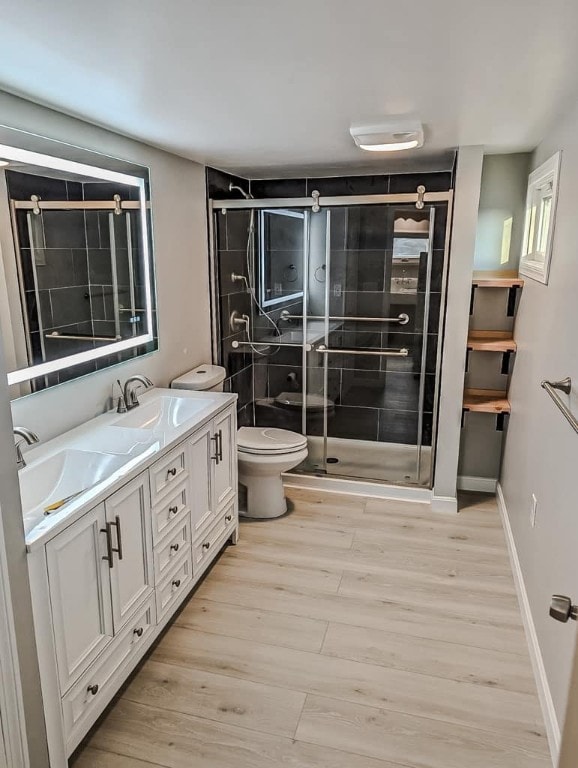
<point x="118" y="447"/>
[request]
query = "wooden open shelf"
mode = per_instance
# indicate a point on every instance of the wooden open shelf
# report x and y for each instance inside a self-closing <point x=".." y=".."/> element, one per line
<point x="486" y="401"/>
<point x="491" y="341"/>
<point x="497" y="279"/>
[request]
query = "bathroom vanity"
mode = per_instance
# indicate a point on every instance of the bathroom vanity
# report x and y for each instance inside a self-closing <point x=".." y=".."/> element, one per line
<point x="152" y="499"/>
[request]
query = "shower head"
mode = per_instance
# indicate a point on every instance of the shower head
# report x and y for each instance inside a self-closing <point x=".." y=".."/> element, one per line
<point x="235" y="187"/>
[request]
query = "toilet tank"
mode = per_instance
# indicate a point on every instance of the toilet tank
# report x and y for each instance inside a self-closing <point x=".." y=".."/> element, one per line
<point x="203" y="378"/>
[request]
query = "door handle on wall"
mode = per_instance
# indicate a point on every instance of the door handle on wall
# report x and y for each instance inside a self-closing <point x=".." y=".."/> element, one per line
<point x="561" y="608"/>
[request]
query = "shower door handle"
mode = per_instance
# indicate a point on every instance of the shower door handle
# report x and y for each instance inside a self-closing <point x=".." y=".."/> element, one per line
<point x="403" y="352"/>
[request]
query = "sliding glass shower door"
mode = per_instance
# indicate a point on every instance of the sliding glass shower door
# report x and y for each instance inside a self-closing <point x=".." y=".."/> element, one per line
<point x="370" y="320"/>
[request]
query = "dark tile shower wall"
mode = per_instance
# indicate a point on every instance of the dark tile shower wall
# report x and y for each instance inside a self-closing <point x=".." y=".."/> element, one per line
<point x="375" y="398"/>
<point x="74" y="272"/>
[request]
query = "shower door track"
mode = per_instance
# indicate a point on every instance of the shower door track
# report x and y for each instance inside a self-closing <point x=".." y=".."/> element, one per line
<point x="331" y="201"/>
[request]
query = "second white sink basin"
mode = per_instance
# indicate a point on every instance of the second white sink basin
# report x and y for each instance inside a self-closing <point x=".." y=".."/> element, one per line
<point x="58" y="477"/>
<point x="162" y="413"/>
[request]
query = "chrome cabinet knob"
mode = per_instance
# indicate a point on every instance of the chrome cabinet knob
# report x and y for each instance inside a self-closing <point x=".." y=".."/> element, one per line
<point x="561" y="608"/>
<point x="228" y="518"/>
<point x="206" y="545"/>
<point x="171" y="472"/>
<point x="174" y="547"/>
<point x="173" y="510"/>
<point x="177" y="583"/>
<point x="93" y="689"/>
<point x="138" y="632"/>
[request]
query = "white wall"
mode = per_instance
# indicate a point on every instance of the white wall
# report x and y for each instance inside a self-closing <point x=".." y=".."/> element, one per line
<point x="541" y="450"/>
<point x="463" y="237"/>
<point x="180" y="240"/>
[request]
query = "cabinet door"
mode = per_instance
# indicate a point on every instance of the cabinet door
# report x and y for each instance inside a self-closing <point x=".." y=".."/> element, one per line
<point x="79" y="594"/>
<point x="128" y="518"/>
<point x="203" y="452"/>
<point x="225" y="468"/>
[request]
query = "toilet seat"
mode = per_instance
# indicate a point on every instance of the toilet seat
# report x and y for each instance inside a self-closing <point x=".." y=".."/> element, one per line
<point x="269" y="441"/>
<point x="313" y="403"/>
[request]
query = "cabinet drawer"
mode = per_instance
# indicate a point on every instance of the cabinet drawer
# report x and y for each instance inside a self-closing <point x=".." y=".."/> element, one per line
<point x="88" y="697"/>
<point x="172" y="547"/>
<point x="167" y="472"/>
<point x="174" y="587"/>
<point x="205" y="549"/>
<point x="167" y="513"/>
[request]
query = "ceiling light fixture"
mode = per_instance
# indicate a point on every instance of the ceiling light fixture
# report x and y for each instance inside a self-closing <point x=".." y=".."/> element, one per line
<point x="390" y="135"/>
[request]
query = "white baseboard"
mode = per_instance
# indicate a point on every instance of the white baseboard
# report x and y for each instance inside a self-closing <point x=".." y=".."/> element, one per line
<point x="480" y="484"/>
<point x="547" y="704"/>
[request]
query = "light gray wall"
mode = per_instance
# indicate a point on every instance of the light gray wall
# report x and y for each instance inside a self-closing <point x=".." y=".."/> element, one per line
<point x="180" y="241"/>
<point x="502" y="198"/>
<point x="463" y="236"/>
<point x="541" y="449"/>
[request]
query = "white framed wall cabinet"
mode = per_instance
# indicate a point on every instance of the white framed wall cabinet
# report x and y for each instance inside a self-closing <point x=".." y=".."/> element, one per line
<point x="541" y="201"/>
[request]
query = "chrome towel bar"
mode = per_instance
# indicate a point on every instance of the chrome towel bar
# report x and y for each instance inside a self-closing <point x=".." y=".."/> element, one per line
<point x="236" y="344"/>
<point x="403" y="352"/>
<point x="565" y="385"/>
<point x="402" y="319"/>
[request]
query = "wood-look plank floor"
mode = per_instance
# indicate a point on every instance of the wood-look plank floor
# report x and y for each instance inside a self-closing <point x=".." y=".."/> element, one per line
<point x="353" y="633"/>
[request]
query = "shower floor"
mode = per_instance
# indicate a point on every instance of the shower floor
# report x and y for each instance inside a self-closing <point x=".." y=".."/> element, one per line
<point x="368" y="460"/>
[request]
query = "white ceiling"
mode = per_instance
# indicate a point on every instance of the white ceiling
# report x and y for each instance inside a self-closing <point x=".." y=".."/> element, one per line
<point x="257" y="85"/>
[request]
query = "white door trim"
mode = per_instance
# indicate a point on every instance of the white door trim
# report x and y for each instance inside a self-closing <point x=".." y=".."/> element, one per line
<point x="11" y="704"/>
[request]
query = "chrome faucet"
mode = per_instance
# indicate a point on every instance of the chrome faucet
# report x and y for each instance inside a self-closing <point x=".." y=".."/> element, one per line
<point x="28" y="437"/>
<point x="129" y="393"/>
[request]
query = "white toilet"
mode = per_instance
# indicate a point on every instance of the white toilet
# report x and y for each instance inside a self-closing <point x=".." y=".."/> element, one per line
<point x="203" y="378"/>
<point x="263" y="454"/>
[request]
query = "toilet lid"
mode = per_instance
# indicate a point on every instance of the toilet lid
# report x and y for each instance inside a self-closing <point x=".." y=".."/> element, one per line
<point x="269" y="440"/>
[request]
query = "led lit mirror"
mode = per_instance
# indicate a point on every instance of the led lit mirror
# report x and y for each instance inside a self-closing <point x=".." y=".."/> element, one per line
<point x="78" y="288"/>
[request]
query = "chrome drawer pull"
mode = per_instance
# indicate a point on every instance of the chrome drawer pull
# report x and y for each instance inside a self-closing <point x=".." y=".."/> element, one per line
<point x="206" y="545"/>
<point x="93" y="689"/>
<point x="228" y="518"/>
<point x="173" y="510"/>
<point x="171" y="472"/>
<point x="138" y="632"/>
<point x="174" y="547"/>
<point x="177" y="583"/>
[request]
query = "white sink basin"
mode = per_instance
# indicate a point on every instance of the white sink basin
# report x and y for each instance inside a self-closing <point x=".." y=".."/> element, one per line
<point x="67" y="473"/>
<point x="162" y="413"/>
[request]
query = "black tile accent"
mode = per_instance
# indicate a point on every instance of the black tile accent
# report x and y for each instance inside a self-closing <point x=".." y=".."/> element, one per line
<point x="349" y="185"/>
<point x="358" y="270"/>
<point x="242" y="384"/>
<point x="21" y="186"/>
<point x="229" y="262"/>
<point x="99" y="266"/>
<point x="409" y="182"/>
<point x="237" y="229"/>
<point x="354" y="423"/>
<point x="369" y="227"/>
<point x="70" y="305"/>
<point x="398" y="427"/>
<point x="64" y="229"/>
<point x="218" y="184"/>
<point x="263" y="188"/>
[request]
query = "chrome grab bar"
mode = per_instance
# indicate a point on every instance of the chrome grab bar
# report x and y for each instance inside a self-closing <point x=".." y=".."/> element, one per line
<point x="402" y="319"/>
<point x="564" y="386"/>
<point x="236" y="344"/>
<point x="403" y="352"/>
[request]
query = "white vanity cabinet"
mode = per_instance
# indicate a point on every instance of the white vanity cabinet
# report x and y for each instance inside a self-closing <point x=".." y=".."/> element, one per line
<point x="106" y="585"/>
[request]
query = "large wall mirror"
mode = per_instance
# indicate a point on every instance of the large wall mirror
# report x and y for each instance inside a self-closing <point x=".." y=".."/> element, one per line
<point x="76" y="246"/>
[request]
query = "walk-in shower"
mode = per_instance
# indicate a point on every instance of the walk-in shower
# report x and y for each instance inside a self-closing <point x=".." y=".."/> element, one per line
<point x="327" y="315"/>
